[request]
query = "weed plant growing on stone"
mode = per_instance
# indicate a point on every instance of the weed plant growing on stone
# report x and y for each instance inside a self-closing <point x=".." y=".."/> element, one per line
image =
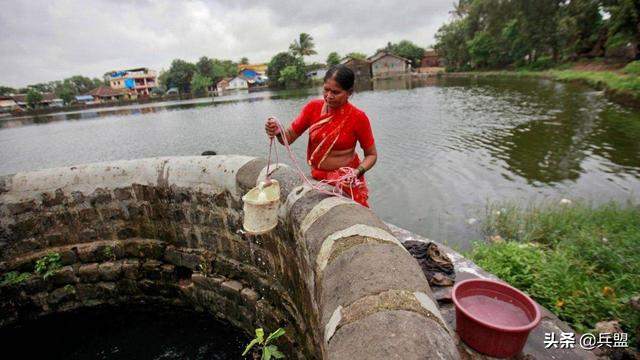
<point x="580" y="262"/>
<point x="14" y="277"/>
<point x="48" y="264"/>
<point x="268" y="350"/>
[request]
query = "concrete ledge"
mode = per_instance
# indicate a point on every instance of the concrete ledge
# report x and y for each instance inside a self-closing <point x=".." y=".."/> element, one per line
<point x="169" y="230"/>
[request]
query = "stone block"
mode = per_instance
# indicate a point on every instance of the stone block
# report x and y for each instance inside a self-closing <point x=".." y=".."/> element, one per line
<point x="110" y="271"/>
<point x="249" y="295"/>
<point x="64" y="276"/>
<point x="206" y="282"/>
<point x="100" y="196"/>
<point x="131" y="269"/>
<point x="288" y="180"/>
<point x="87" y="235"/>
<point x="365" y="270"/>
<point x="127" y="232"/>
<point x="62" y="294"/>
<point x="248" y="174"/>
<point x="399" y="334"/>
<point x="123" y="194"/>
<point x="21" y="207"/>
<point x="181" y="258"/>
<point x="151" y="271"/>
<point x="89" y="273"/>
<point x="142" y="248"/>
<point x="49" y="199"/>
<point x="338" y="218"/>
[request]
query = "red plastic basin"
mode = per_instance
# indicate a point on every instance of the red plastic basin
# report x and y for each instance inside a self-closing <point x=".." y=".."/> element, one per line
<point x="492" y="317"/>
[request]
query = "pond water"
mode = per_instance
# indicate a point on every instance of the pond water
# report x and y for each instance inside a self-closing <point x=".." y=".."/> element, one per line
<point x="139" y="332"/>
<point x="447" y="148"/>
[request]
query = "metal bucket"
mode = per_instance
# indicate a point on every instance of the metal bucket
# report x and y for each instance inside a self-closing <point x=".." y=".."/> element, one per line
<point x="260" y="207"/>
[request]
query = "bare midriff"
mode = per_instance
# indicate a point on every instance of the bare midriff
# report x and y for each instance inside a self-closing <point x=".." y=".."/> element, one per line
<point x="337" y="159"/>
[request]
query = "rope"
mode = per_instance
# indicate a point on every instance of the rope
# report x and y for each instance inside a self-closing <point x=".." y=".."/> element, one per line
<point x="348" y="176"/>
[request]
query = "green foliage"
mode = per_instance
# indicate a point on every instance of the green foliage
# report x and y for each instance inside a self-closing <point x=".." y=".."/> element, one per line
<point x="268" y="350"/>
<point x="67" y="95"/>
<point x="278" y="63"/>
<point x="33" y="98"/>
<point x="244" y="61"/>
<point x="579" y="262"/>
<point x="302" y="46"/>
<point x="632" y="68"/>
<point x="357" y="55"/>
<point x="199" y="84"/>
<point x="14" y="277"/>
<point x="408" y="50"/>
<point x="108" y="253"/>
<point x="179" y="75"/>
<point x="488" y="33"/>
<point x="48" y="264"/>
<point x="333" y="58"/>
<point x="483" y="50"/>
<point x="292" y="76"/>
<point x="5" y="90"/>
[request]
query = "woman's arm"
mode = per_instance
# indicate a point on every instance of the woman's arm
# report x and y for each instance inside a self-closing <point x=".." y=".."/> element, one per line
<point x="370" y="158"/>
<point x="271" y="128"/>
<point x="290" y="134"/>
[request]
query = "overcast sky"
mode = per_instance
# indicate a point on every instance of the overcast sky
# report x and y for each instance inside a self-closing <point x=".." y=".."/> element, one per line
<point x="50" y="40"/>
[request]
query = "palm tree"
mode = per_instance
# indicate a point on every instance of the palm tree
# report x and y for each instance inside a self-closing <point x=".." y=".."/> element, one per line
<point x="303" y="46"/>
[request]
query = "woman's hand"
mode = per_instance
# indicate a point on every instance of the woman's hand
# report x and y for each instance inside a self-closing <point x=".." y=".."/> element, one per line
<point x="271" y="127"/>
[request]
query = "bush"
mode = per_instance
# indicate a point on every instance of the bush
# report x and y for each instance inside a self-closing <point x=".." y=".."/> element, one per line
<point x="581" y="263"/>
<point x="632" y="68"/>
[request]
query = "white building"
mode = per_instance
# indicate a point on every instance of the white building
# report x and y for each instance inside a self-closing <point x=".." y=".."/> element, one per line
<point x="385" y="64"/>
<point x="238" y="83"/>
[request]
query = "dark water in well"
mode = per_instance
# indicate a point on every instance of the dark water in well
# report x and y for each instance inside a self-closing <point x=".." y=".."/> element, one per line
<point x="124" y="333"/>
<point x="446" y="149"/>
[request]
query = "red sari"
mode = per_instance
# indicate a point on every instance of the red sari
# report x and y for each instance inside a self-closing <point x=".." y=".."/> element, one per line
<point x="339" y="130"/>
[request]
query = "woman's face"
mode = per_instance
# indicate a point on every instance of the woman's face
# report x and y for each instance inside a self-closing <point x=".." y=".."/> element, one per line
<point x="334" y="95"/>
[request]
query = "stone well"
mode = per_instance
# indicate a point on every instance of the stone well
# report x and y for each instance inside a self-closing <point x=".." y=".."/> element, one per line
<point x="169" y="230"/>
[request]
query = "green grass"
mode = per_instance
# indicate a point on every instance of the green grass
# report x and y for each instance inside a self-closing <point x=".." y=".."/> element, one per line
<point x="632" y="68"/>
<point x="581" y="263"/>
<point x="608" y="79"/>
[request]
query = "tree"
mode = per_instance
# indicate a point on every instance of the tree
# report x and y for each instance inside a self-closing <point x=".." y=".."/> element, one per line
<point x="483" y="50"/>
<point x="33" y="98"/>
<point x="624" y="27"/>
<point x="277" y="64"/>
<point x="5" y="90"/>
<point x="292" y="76"/>
<point x="204" y="66"/>
<point x="200" y="84"/>
<point x="180" y="74"/>
<point x="303" y="46"/>
<point x="66" y="94"/>
<point x="244" y="61"/>
<point x="357" y="55"/>
<point x="333" y="59"/>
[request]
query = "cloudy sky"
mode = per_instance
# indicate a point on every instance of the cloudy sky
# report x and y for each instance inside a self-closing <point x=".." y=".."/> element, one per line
<point x="50" y="40"/>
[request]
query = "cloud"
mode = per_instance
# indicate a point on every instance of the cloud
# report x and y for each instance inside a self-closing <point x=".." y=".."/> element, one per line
<point x="50" y="40"/>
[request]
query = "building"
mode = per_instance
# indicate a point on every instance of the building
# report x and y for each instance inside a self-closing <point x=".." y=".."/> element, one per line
<point x="48" y="100"/>
<point x="138" y="81"/>
<point x="85" y="99"/>
<point x="222" y="85"/>
<point x="430" y="59"/>
<point x="8" y="104"/>
<point x="361" y="68"/>
<point x="238" y="83"/>
<point x="384" y="64"/>
<point x="259" y="68"/>
<point x="107" y="94"/>
<point x="317" y="74"/>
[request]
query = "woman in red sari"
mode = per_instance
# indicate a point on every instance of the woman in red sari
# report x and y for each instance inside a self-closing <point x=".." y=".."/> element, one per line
<point x="335" y="125"/>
